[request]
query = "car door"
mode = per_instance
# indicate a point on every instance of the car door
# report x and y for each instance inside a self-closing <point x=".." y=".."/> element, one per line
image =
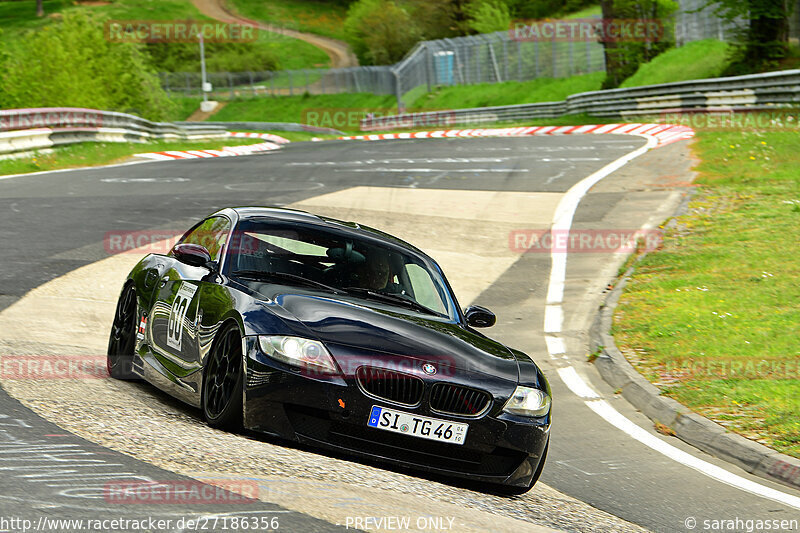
<point x="175" y="319"/>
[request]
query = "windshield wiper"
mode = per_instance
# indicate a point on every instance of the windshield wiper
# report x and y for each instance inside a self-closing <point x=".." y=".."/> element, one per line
<point x="392" y="298"/>
<point x="284" y="276"/>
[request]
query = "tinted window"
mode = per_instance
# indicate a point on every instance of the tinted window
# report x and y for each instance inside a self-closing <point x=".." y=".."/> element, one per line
<point x="211" y="233"/>
<point x="356" y="265"/>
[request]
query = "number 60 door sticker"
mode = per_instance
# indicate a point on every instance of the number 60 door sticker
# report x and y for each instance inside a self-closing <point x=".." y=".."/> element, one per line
<point x="178" y="313"/>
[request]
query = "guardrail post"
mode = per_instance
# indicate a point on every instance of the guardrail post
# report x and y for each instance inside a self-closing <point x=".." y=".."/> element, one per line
<point x="252" y="83"/>
<point x="291" y="88"/>
<point x="428" y="67"/>
<point x="505" y="59"/>
<point x="571" y="58"/>
<point x="306" y="73"/>
<point x="230" y="84"/>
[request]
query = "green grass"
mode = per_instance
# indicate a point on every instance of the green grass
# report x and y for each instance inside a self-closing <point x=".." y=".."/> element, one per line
<point x="296" y="108"/>
<point x="16" y="17"/>
<point x="508" y="93"/>
<point x="322" y="18"/>
<point x="19" y="16"/>
<point x="694" y="61"/>
<point x="585" y="13"/>
<point x="90" y="154"/>
<point x="185" y="106"/>
<point x="713" y="316"/>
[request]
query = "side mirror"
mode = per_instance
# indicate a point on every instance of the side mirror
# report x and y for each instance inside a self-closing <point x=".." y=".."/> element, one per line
<point x="479" y="317"/>
<point x="192" y="254"/>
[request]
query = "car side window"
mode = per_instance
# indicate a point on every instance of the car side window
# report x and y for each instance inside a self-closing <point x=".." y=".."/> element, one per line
<point x="424" y="288"/>
<point x="212" y="234"/>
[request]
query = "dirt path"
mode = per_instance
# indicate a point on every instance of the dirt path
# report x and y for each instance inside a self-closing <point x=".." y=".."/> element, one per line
<point x="338" y="51"/>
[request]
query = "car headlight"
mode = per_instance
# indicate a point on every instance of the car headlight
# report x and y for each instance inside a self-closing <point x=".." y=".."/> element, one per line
<point x="527" y="401"/>
<point x="299" y="352"/>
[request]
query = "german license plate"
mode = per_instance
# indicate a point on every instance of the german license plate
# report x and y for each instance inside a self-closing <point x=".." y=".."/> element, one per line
<point x="417" y="426"/>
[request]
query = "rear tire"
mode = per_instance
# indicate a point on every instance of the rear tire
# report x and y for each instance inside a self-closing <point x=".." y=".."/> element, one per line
<point x="122" y="340"/>
<point x="222" y="381"/>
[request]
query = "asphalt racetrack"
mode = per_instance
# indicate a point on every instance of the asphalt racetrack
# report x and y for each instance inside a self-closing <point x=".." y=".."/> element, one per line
<point x="465" y="202"/>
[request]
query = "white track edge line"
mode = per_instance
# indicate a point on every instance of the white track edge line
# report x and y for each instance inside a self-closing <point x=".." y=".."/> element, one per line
<point x="562" y="219"/>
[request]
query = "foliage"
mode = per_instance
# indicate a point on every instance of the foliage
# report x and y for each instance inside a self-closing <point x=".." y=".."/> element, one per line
<point x="380" y="31"/>
<point x="623" y="57"/>
<point x="489" y="16"/>
<point x="233" y="57"/>
<point x="70" y="63"/>
<point x="764" y="39"/>
<point x="693" y="61"/>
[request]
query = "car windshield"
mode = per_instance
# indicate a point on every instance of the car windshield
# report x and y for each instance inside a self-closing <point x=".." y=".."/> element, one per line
<point x="316" y="257"/>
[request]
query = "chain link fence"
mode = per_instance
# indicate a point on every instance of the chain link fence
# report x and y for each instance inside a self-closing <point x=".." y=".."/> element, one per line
<point x="485" y="58"/>
<point x="226" y="85"/>
<point x="695" y="21"/>
<point x="494" y="58"/>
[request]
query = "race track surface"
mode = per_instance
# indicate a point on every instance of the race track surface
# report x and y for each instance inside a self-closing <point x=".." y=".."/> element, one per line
<point x="459" y="200"/>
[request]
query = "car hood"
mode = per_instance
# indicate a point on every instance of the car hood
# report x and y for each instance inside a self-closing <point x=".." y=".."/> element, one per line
<point x="380" y="328"/>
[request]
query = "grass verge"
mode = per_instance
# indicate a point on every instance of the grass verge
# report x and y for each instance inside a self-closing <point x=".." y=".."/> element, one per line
<point x="712" y="318"/>
<point x="92" y="154"/>
<point x="312" y="16"/>
<point x="343" y="111"/>
<point x="693" y="61"/>
<point x="340" y="111"/>
<point x="508" y="93"/>
<point x="17" y="17"/>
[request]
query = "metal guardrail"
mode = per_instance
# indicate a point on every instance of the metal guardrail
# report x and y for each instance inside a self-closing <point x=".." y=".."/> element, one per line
<point x="25" y="130"/>
<point x="756" y="91"/>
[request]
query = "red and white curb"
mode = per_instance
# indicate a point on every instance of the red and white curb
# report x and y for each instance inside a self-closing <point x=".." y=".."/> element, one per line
<point x="271" y="142"/>
<point x="664" y="133"/>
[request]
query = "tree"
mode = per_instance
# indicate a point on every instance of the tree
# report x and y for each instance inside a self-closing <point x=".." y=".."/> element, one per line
<point x="624" y="54"/>
<point x="39" y="8"/>
<point x="380" y="31"/>
<point x="490" y="16"/>
<point x="764" y="38"/>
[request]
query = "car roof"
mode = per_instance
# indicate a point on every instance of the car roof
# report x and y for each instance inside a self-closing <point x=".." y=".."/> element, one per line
<point x="296" y="215"/>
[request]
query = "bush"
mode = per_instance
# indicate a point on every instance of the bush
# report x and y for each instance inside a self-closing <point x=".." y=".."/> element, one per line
<point x="220" y="57"/>
<point x="490" y="16"/>
<point x="380" y="31"/>
<point x="70" y="63"/>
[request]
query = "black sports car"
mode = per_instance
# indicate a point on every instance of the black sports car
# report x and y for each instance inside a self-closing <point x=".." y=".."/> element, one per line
<point x="332" y="334"/>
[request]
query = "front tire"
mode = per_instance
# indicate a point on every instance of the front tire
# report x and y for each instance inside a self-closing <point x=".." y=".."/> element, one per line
<point x="122" y="340"/>
<point x="222" y="381"/>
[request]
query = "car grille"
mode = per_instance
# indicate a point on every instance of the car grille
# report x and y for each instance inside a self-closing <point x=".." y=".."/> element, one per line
<point x="458" y="400"/>
<point x="390" y="385"/>
<point x="317" y="425"/>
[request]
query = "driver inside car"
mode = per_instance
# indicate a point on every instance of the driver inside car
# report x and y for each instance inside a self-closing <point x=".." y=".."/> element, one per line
<point x="375" y="272"/>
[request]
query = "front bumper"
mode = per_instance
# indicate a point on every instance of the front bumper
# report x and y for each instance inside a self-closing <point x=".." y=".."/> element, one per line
<point x="332" y="412"/>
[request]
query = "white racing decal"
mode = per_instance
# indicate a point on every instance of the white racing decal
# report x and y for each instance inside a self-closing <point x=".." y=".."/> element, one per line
<point x="178" y="313"/>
